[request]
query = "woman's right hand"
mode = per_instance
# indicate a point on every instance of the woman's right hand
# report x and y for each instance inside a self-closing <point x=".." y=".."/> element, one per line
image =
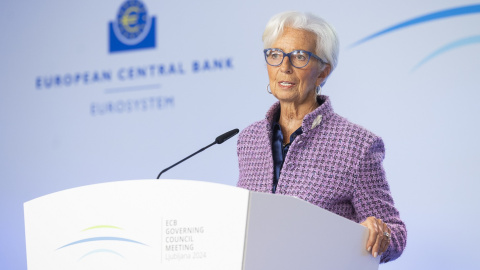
<point x="378" y="237"/>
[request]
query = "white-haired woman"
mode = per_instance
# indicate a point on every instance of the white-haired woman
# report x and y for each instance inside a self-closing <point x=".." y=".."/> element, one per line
<point x="304" y="149"/>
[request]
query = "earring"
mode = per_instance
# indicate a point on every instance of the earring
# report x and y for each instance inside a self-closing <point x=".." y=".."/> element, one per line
<point x="319" y="90"/>
<point x="268" y="89"/>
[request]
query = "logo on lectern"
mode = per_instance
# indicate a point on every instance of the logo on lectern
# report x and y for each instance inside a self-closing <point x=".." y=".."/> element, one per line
<point x="98" y="244"/>
<point x="132" y="28"/>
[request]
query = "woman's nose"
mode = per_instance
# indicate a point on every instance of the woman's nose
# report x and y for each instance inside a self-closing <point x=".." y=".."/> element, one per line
<point x="286" y="66"/>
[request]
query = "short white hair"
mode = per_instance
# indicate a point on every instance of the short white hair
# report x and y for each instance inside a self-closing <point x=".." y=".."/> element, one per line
<point x="327" y="44"/>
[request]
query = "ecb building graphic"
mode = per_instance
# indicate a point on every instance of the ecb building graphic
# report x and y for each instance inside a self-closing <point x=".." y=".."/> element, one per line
<point x="132" y="28"/>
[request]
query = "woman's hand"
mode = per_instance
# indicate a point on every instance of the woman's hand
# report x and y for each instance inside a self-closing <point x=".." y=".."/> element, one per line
<point x="378" y="237"/>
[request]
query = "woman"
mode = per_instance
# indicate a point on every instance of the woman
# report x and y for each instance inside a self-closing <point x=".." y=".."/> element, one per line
<point x="304" y="149"/>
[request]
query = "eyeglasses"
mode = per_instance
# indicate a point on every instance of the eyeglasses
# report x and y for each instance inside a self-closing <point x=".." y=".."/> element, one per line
<point x="298" y="58"/>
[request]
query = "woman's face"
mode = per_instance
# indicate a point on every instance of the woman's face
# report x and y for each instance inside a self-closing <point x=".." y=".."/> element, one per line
<point x="291" y="84"/>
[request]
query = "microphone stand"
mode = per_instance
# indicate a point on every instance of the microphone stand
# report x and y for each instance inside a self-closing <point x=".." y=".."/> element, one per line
<point x="158" y="177"/>
<point x="219" y="140"/>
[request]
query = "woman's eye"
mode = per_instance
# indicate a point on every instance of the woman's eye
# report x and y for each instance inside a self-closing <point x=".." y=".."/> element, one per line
<point x="275" y="55"/>
<point x="301" y="57"/>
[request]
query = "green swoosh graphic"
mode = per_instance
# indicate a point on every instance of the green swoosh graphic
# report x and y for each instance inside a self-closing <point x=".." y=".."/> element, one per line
<point x="101" y="251"/>
<point x="102" y="227"/>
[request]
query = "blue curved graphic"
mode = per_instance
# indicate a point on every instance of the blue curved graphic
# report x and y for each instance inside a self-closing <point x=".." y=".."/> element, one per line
<point x="458" y="43"/>
<point x="422" y="19"/>
<point x="101" y="251"/>
<point x="102" y="239"/>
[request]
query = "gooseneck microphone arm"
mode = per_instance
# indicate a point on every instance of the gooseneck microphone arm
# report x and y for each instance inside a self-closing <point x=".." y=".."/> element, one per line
<point x="219" y="140"/>
<point x="164" y="170"/>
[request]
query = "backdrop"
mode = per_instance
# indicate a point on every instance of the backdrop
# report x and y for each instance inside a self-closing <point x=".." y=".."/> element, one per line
<point x="85" y="98"/>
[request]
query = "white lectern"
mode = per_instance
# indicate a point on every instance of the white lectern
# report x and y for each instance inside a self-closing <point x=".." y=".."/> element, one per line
<point x="179" y="224"/>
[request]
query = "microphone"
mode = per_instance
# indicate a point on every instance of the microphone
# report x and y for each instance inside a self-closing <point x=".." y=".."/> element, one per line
<point x="219" y="140"/>
<point x="225" y="136"/>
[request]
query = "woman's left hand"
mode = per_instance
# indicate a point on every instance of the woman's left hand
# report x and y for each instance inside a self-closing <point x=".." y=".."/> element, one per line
<point x="379" y="236"/>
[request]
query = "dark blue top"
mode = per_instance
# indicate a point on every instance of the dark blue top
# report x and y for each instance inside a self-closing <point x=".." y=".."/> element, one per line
<point x="279" y="150"/>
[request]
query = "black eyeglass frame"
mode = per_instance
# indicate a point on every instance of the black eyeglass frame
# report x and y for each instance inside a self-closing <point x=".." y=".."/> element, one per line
<point x="310" y="54"/>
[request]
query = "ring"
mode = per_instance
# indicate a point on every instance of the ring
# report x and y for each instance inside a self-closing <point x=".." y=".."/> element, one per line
<point x="387" y="235"/>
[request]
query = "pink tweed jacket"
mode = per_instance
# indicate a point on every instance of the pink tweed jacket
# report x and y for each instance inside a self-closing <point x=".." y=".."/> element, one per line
<point x="334" y="164"/>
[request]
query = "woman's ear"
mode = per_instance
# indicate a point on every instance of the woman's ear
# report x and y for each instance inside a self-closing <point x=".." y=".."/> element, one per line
<point x="322" y="77"/>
